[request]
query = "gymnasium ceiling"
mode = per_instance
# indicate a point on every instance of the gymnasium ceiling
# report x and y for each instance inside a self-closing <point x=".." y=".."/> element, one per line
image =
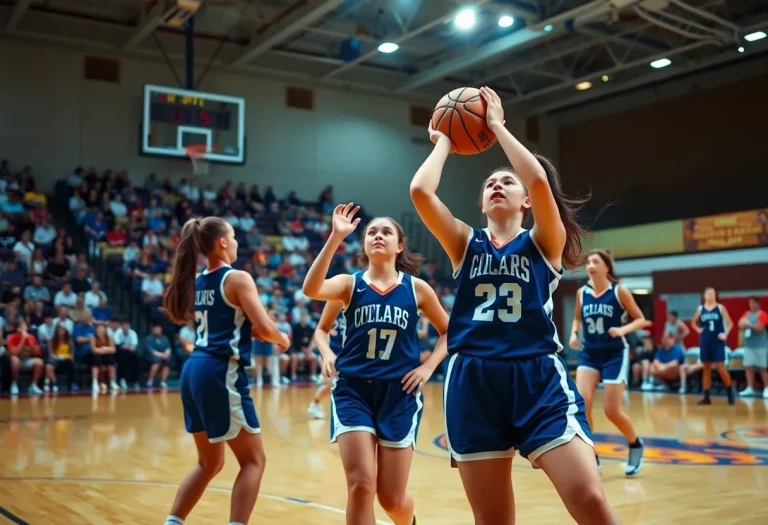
<point x="535" y="63"/>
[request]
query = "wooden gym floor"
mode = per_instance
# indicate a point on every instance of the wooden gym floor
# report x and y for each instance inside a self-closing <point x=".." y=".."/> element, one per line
<point x="71" y="460"/>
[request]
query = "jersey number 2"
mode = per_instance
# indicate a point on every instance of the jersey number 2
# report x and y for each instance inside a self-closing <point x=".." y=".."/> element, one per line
<point x="202" y="328"/>
<point x="511" y="291"/>
<point x="373" y="335"/>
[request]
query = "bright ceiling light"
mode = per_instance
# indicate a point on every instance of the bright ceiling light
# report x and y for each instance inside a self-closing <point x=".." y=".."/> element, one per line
<point x="740" y="50"/>
<point x="581" y="86"/>
<point x="506" y="21"/>
<point x="548" y="28"/>
<point x="388" y="47"/>
<point x="757" y="35"/>
<point x="465" y="19"/>
<point x="660" y="63"/>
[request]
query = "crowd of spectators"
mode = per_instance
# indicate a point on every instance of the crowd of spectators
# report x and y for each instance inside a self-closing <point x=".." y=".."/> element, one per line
<point x="139" y="225"/>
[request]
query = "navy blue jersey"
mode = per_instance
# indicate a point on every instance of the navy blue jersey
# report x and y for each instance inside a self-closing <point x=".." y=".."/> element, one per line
<point x="223" y="330"/>
<point x="503" y="307"/>
<point x="336" y="342"/>
<point x="600" y="313"/>
<point x="712" y="323"/>
<point x="380" y="339"/>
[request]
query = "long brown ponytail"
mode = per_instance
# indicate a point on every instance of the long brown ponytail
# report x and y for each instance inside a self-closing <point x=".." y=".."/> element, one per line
<point x="198" y="236"/>
<point x="568" y="208"/>
<point x="406" y="261"/>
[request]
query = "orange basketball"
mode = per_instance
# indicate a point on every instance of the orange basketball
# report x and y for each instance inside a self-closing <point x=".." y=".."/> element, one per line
<point x="461" y="116"/>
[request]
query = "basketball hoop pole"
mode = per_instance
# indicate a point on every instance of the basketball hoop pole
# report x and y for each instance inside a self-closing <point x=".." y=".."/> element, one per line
<point x="189" y="53"/>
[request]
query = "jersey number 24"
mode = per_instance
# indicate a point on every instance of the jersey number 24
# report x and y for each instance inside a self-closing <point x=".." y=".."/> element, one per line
<point x="510" y="314"/>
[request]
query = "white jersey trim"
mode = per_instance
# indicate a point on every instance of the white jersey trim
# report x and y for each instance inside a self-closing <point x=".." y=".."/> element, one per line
<point x="559" y="275"/>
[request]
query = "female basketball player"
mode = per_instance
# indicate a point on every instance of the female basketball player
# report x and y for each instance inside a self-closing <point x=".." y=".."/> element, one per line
<point x="329" y="336"/>
<point x="376" y="397"/>
<point x="713" y="323"/>
<point x="214" y="385"/>
<point x="602" y="306"/>
<point x="506" y="388"/>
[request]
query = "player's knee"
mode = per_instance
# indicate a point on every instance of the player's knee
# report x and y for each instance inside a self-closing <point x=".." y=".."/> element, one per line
<point x="391" y="501"/>
<point x="612" y="411"/>
<point x="361" y="485"/>
<point x="212" y="465"/>
<point x="37" y="363"/>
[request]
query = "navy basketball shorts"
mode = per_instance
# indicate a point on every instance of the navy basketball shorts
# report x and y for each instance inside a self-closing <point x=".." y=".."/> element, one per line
<point x="712" y="351"/>
<point x="216" y="399"/>
<point x="493" y="407"/>
<point x="611" y="364"/>
<point x="378" y="407"/>
<point x="261" y="348"/>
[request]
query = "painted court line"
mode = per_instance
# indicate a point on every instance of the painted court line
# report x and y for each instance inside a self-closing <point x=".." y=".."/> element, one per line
<point x="287" y="499"/>
<point x="12" y="517"/>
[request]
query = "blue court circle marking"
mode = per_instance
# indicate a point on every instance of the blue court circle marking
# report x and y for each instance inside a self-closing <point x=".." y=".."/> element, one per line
<point x="228" y="490"/>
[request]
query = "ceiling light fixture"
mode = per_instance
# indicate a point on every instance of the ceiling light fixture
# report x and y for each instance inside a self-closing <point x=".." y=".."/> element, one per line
<point x="388" y="47"/>
<point x="465" y="19"/>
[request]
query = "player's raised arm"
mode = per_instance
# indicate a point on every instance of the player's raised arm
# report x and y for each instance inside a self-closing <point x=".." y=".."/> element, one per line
<point x="555" y="230"/>
<point x="337" y="288"/>
<point x="240" y="287"/>
<point x="450" y="232"/>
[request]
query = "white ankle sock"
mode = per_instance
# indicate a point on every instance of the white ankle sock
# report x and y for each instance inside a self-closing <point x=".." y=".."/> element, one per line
<point x="173" y="520"/>
<point x="235" y="523"/>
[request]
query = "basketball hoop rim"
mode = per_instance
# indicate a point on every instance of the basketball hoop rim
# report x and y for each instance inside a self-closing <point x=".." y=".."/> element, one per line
<point x="196" y="151"/>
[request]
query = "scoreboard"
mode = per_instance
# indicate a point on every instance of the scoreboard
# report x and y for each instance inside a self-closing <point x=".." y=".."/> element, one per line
<point x="175" y="118"/>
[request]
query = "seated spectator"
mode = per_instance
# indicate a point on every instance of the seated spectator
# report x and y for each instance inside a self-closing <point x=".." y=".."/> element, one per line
<point x="8" y="236"/>
<point x="152" y="290"/>
<point x="128" y="362"/>
<point x="668" y="365"/>
<point x="24" y="249"/>
<point x="44" y="234"/>
<point x="640" y="359"/>
<point x="61" y="360"/>
<point x="82" y="335"/>
<point x="102" y="360"/>
<point x="302" y="347"/>
<point x="36" y="318"/>
<point x="677" y="328"/>
<point x="102" y="314"/>
<point x="46" y="331"/>
<point x="64" y="320"/>
<point x="35" y="197"/>
<point x="25" y="354"/>
<point x="80" y="311"/>
<point x="753" y="322"/>
<point x="118" y="207"/>
<point x="11" y="275"/>
<point x="81" y="283"/>
<point x="117" y="236"/>
<point x="36" y="291"/>
<point x="94" y="296"/>
<point x="158" y="352"/>
<point x="65" y="296"/>
<point x="57" y="269"/>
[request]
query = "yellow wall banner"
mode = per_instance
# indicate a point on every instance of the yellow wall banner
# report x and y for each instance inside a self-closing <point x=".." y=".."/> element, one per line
<point x="742" y="229"/>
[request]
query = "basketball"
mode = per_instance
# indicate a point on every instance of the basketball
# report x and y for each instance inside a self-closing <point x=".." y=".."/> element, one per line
<point x="460" y="115"/>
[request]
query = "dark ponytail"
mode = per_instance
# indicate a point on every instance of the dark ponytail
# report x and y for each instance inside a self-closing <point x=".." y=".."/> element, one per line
<point x="406" y="261"/>
<point x="569" y="208"/>
<point x="198" y="236"/>
<point x="607" y="258"/>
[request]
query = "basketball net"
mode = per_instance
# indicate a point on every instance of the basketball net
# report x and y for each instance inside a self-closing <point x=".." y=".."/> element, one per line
<point x="196" y="153"/>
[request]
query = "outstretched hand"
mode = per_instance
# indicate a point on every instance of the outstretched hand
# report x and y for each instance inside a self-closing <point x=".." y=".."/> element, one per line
<point x="435" y="136"/>
<point x="344" y="221"/>
<point x="494" y="114"/>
